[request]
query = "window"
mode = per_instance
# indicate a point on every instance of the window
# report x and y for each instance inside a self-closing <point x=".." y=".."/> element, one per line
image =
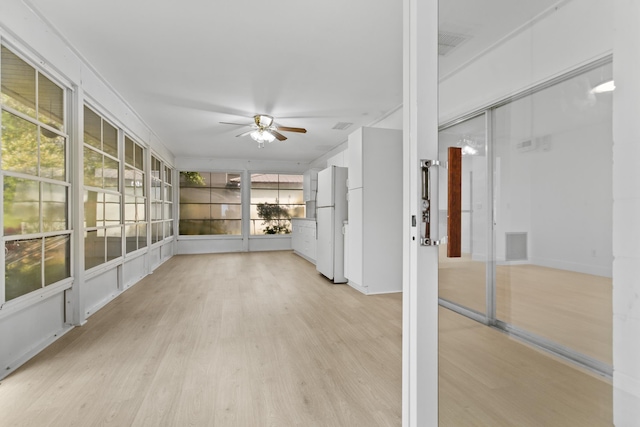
<point x="102" y="197"/>
<point x="210" y="203"/>
<point x="36" y="187"/>
<point x="161" y="201"/>
<point x="275" y="199"/>
<point x="135" y="219"/>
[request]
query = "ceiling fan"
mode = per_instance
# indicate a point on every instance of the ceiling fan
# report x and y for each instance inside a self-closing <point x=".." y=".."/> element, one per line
<point x="264" y="129"/>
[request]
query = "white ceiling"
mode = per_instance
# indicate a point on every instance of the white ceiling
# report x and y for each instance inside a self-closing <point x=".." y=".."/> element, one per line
<point x="187" y="65"/>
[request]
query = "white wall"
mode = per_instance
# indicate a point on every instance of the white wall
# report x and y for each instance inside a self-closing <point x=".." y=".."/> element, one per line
<point x="29" y="323"/>
<point x="626" y="215"/>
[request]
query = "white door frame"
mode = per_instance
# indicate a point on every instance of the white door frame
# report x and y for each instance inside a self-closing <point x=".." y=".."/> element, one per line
<point x="420" y="264"/>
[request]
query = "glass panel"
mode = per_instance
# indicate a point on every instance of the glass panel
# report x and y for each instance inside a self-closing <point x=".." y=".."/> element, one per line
<point x="92" y="168"/>
<point x="168" y="229"/>
<point x="139" y="183"/>
<point x="190" y="227"/>
<point x="264" y="196"/>
<point x="19" y="145"/>
<point x="114" y="242"/>
<point x="109" y="139"/>
<point x="128" y="151"/>
<point x="21" y="206"/>
<point x="111" y="173"/>
<point x="195" y="179"/>
<point x="167" y="175"/>
<point x="195" y="211"/>
<point x="167" y="193"/>
<point x="52" y="155"/>
<point x="463" y="280"/>
<point x="139" y="157"/>
<point x="23" y="267"/>
<point x="93" y="209"/>
<point x="57" y="262"/>
<point x="129" y="181"/>
<point x="141" y="215"/>
<point x="129" y="209"/>
<point x="92" y="128"/>
<point x="142" y="235"/>
<point x="50" y="103"/>
<point x="54" y="207"/>
<point x="18" y="83"/>
<point x="554" y="214"/>
<point x="156" y="211"/>
<point x="94" y="249"/>
<point x="112" y="209"/>
<point x="167" y="211"/>
<point x="156" y="232"/>
<point x="196" y="195"/>
<point x="131" y="237"/>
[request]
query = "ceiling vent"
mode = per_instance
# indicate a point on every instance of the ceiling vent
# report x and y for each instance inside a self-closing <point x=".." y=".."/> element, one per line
<point x="342" y="125"/>
<point x="448" y="42"/>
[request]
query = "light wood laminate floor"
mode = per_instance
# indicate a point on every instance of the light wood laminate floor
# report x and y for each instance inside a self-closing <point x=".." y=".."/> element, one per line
<point x="261" y="339"/>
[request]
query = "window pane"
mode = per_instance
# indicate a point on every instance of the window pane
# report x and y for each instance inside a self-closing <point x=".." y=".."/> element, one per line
<point x="223" y="211"/>
<point x="94" y="249"/>
<point x="92" y="168"/>
<point x="167" y="175"/>
<point x="93" y="208"/>
<point x="21" y="206"/>
<point x="289" y="197"/>
<point x="156" y="211"/>
<point x="225" y="195"/>
<point x="167" y="211"/>
<point x="195" y="195"/>
<point x="19" y="145"/>
<point x="195" y="211"/>
<point x="109" y="139"/>
<point x="50" y="103"/>
<point x="57" y="263"/>
<point x="142" y="235"/>
<point x="293" y="211"/>
<point x="52" y="155"/>
<point x="264" y="196"/>
<point x="224" y="226"/>
<point x="111" y="174"/>
<point x="139" y="183"/>
<point x="131" y="237"/>
<point x="141" y="215"/>
<point x="129" y="181"/>
<point x="18" y="83"/>
<point x="129" y="209"/>
<point x="190" y="227"/>
<point x="195" y="179"/>
<point x="155" y="189"/>
<point x="139" y="157"/>
<point x="92" y="128"/>
<point x="156" y="232"/>
<point x="114" y="243"/>
<point x="23" y="261"/>
<point x="128" y="151"/>
<point x="54" y="207"/>
<point x="168" y="193"/>
<point x="112" y="208"/>
<point x="168" y="229"/>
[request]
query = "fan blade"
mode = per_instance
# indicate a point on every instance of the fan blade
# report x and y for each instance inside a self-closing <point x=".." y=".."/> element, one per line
<point x="244" y="133"/>
<point x="278" y="135"/>
<point x="236" y="124"/>
<point x="288" y="129"/>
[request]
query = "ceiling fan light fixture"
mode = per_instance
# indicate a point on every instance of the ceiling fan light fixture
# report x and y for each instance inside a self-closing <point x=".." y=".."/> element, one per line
<point x="262" y="136"/>
<point x="263" y="120"/>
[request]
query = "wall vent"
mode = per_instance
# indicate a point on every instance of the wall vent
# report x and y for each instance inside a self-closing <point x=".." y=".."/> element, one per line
<point x="515" y="246"/>
<point x="448" y="41"/>
<point x="342" y="125"/>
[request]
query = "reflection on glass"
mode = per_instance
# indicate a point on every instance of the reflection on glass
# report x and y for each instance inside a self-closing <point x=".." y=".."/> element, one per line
<point x="94" y="249"/>
<point x="50" y="103"/>
<point x="93" y="208"/>
<point x="139" y="183"/>
<point x="129" y="181"/>
<point x="195" y="211"/>
<point x="92" y="168"/>
<point x="114" y="242"/>
<point x="142" y="235"/>
<point x="111" y="173"/>
<point x="463" y="280"/>
<point x="128" y="151"/>
<point x="19" y="145"/>
<point x="553" y="279"/>
<point x="131" y="238"/>
<point x="21" y="206"/>
<point x="92" y="129"/>
<point x="139" y="157"/>
<point x="109" y="139"/>
<point x="52" y="155"/>
<point x="23" y="264"/>
<point x="54" y="207"/>
<point x="18" y="80"/>
<point x="129" y="209"/>
<point x="57" y="262"/>
<point x="140" y="215"/>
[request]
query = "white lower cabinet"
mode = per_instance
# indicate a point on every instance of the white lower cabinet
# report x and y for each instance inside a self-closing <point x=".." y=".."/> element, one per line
<point x="303" y="238"/>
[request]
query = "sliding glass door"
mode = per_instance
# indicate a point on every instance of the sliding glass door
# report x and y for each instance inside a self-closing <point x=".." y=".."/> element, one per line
<point x="536" y="231"/>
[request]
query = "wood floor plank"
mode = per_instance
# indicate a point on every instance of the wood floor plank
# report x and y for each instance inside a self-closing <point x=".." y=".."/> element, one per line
<point x="261" y="339"/>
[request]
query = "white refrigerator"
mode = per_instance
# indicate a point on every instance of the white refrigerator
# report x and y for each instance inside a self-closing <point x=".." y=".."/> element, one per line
<point x="331" y="213"/>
